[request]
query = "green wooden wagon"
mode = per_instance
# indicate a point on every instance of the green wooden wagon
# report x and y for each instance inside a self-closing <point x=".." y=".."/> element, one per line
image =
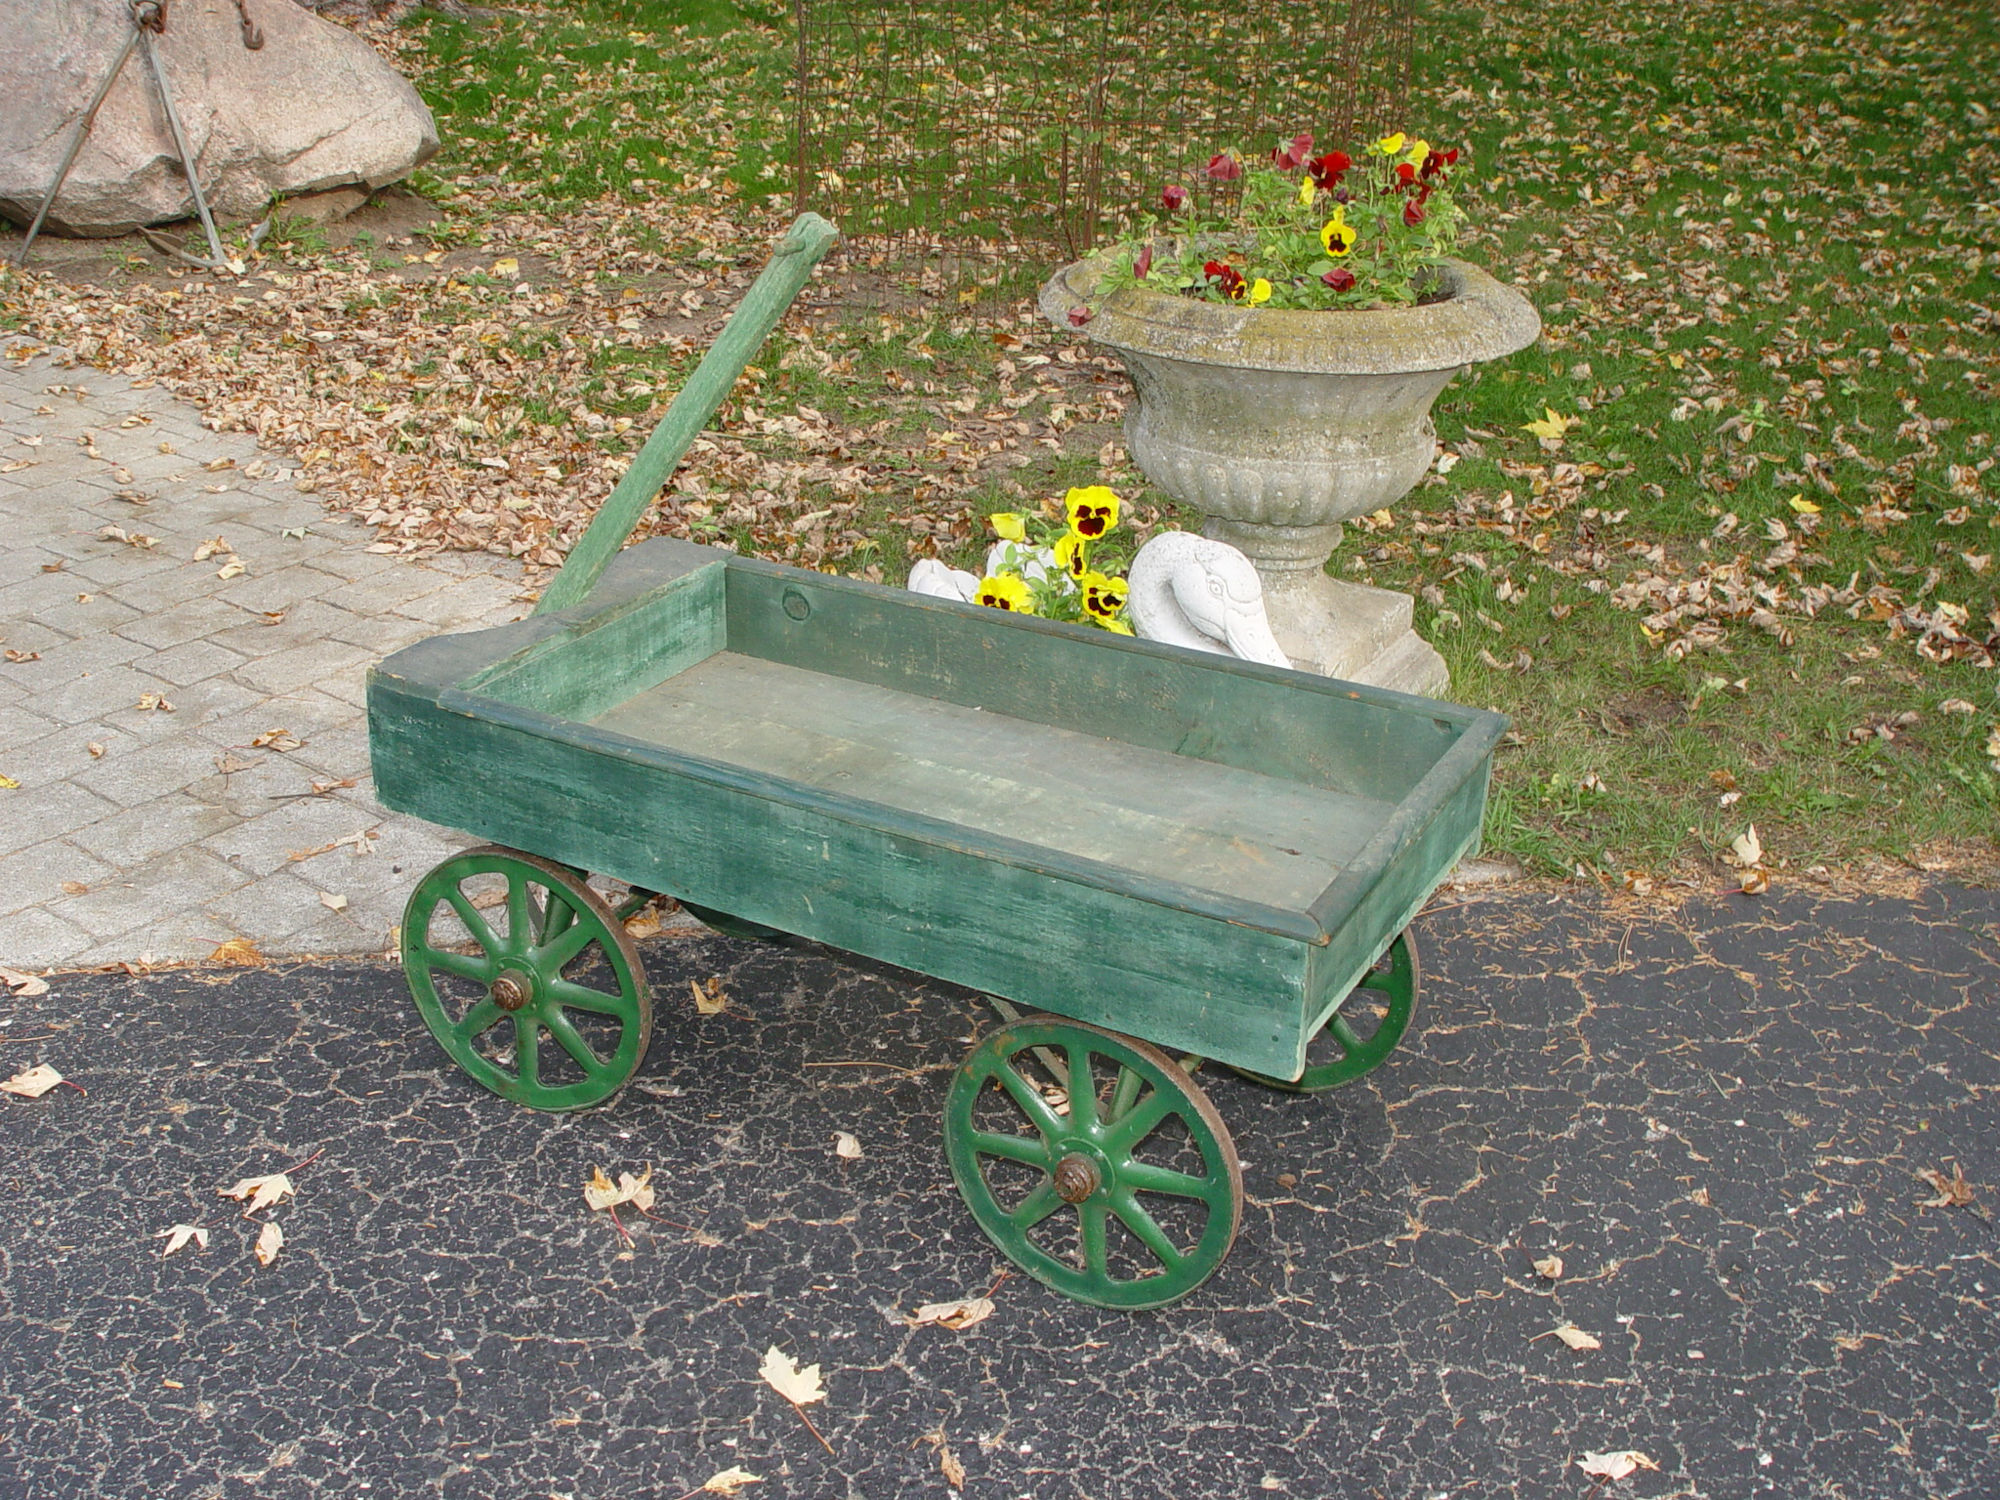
<point x="1160" y="856"/>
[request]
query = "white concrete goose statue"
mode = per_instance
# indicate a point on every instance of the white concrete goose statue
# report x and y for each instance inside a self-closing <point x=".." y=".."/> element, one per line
<point x="941" y="581"/>
<point x="1189" y="590"/>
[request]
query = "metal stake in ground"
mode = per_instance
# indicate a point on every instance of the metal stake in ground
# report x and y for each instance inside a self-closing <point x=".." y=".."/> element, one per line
<point x="174" y="126"/>
<point x="83" y="123"/>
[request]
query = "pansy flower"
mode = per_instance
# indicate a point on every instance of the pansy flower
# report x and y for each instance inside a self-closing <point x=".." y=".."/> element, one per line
<point x="1072" y="553"/>
<point x="1437" y="161"/>
<point x="1092" y="510"/>
<point x="1340" y="279"/>
<point x="1405" y="172"/>
<point x="1142" y="262"/>
<point x="1009" y="525"/>
<point x="1389" y="145"/>
<point x="1337" y="234"/>
<point x="1413" y="212"/>
<point x="1291" y="158"/>
<point x="1103" y="596"/>
<point x="1260" y="292"/>
<point x="1174" y="198"/>
<point x="1226" y="279"/>
<point x="1307" y="190"/>
<point x="1222" y="167"/>
<point x="1328" y="169"/>
<point x="1005" y="591"/>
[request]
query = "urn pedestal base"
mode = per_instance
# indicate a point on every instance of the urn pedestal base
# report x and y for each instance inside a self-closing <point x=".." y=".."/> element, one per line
<point x="1337" y="629"/>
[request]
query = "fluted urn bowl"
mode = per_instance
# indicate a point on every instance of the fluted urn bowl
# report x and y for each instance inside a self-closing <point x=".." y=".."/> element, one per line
<point x="1279" y="425"/>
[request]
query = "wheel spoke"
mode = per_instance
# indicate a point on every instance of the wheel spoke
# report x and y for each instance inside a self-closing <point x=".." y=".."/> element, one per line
<point x="1130" y="1081"/>
<point x="1092" y="1219"/>
<point x="520" y="924"/>
<point x="1344" y="1033"/>
<point x="1144" y="1177"/>
<point x="478" y="967"/>
<point x="1139" y="1123"/>
<point x="478" y="1020"/>
<point x="1040" y="1113"/>
<point x="526" y="1057"/>
<point x="1082" y="1090"/>
<point x="597" y="1002"/>
<point x="556" y="955"/>
<point x="1028" y="1150"/>
<point x="572" y="1042"/>
<point x="557" y="917"/>
<point x="481" y="930"/>
<point x="1036" y="1207"/>
<point x="1148" y="1231"/>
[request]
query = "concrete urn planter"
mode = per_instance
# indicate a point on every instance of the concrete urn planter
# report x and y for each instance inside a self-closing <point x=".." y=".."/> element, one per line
<point x="1281" y="425"/>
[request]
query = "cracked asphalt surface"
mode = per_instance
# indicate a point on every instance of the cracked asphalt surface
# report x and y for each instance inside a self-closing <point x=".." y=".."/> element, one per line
<point x="1715" y="1117"/>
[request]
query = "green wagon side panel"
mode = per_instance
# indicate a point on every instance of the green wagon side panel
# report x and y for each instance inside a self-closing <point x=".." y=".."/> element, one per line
<point x="1180" y="978"/>
<point x="1327" y="734"/>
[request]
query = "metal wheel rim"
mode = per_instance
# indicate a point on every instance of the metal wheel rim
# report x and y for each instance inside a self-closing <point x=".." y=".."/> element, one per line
<point x="1149" y="1090"/>
<point x="543" y="939"/>
<point x="1397" y="983"/>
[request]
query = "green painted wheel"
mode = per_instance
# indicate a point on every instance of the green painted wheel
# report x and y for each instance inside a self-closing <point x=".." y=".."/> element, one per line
<point x="1359" y="1036"/>
<point x="1093" y="1162"/>
<point x="526" y="978"/>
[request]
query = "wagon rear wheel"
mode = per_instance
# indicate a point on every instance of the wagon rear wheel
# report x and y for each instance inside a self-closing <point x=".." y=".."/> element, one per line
<point x="526" y="978"/>
<point x="1359" y="1036"/>
<point x="1093" y="1162"/>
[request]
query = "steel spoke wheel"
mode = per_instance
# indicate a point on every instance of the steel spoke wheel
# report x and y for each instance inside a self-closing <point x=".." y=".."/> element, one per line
<point x="1359" y="1036"/>
<point x="526" y="978"/>
<point x="1093" y="1162"/>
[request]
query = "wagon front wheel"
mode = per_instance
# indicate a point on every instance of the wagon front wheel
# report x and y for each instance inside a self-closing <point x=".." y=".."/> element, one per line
<point x="1359" y="1036"/>
<point x="1093" y="1162"/>
<point x="526" y="978"/>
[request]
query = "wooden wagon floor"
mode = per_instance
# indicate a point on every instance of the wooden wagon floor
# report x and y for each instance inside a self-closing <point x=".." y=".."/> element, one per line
<point x="1234" y="832"/>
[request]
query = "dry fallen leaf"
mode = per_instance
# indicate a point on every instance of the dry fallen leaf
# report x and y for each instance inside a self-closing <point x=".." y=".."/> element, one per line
<point x="228" y="763"/>
<point x="1614" y="1465"/>
<point x="1550" y="1266"/>
<point x="846" y="1146"/>
<point x="1747" y="847"/>
<point x="729" y="1481"/>
<point x="1952" y="1192"/>
<point x="23" y="986"/>
<point x="602" y="1193"/>
<point x="179" y="1235"/>
<point x="950" y="1467"/>
<point x="32" y="1083"/>
<point x="74" y="888"/>
<point x="276" y="739"/>
<point x="1575" y="1337"/>
<point x="799" y="1386"/>
<point x="154" y="703"/>
<point x="96" y="750"/>
<point x="332" y="902"/>
<point x="709" y="998"/>
<point x="957" y="1315"/>
<point x="1755" y="883"/>
<point x="239" y="953"/>
<point x="260" y="1192"/>
<point x="269" y="1242"/>
<point x="8" y="783"/>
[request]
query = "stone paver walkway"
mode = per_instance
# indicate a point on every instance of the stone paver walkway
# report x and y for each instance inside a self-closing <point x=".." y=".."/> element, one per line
<point x="140" y="833"/>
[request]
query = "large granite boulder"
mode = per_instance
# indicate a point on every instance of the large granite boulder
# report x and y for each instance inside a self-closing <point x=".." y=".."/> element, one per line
<point x="313" y="108"/>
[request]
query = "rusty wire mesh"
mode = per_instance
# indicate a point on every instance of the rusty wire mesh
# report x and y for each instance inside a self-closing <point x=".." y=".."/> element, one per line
<point x="990" y="123"/>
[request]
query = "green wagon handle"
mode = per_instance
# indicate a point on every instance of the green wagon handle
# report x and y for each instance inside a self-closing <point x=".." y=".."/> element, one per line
<point x="714" y="378"/>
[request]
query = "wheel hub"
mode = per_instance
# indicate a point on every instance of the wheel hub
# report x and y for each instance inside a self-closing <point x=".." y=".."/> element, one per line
<point x="512" y="989"/>
<point x="1076" y="1178"/>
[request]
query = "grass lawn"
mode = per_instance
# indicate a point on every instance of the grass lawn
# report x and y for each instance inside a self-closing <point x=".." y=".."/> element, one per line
<point x="1752" y="582"/>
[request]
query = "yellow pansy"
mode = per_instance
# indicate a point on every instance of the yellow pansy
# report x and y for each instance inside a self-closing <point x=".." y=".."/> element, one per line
<point x="1419" y="152"/>
<point x="1005" y="591"/>
<point x="1009" y="526"/>
<point x="1307" y="192"/>
<point x="1123" y="629"/>
<point x="1072" y="554"/>
<point x="1337" y="234"/>
<point x="1260" y="291"/>
<point x="1103" y="595"/>
<point x="1389" y="145"/>
<point x="1092" y="510"/>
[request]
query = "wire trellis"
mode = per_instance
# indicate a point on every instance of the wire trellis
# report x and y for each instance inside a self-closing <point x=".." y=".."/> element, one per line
<point x="996" y="123"/>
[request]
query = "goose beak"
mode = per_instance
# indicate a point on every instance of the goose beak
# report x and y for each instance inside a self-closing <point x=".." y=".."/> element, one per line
<point x="1249" y="636"/>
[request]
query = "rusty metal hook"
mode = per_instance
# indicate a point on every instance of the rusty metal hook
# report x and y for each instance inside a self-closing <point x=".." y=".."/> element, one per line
<point x="253" y="34"/>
